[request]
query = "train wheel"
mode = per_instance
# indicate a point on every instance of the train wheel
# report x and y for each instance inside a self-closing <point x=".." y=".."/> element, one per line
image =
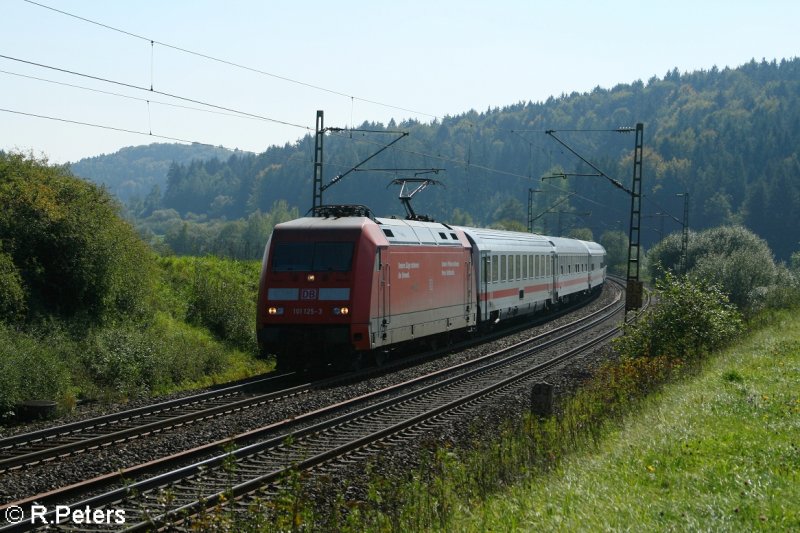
<point x="284" y="364"/>
<point x="380" y="357"/>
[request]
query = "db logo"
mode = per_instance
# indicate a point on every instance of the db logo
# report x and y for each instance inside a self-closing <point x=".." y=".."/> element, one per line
<point x="308" y="294"/>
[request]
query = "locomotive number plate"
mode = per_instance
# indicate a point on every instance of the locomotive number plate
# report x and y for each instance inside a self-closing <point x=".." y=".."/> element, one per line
<point x="307" y="311"/>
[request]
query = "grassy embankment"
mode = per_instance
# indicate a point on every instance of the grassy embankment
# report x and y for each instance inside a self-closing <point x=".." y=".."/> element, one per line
<point x="717" y="448"/>
<point x="717" y="452"/>
<point x="197" y="331"/>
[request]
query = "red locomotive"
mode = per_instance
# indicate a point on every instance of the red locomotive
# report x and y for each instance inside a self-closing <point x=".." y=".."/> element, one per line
<point x="344" y="286"/>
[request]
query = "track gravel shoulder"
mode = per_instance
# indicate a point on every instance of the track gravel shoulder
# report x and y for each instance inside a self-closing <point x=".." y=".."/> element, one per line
<point x="33" y="480"/>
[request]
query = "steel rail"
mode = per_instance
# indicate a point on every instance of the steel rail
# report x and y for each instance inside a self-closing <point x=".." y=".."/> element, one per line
<point x="276" y="442"/>
<point x="59" y="441"/>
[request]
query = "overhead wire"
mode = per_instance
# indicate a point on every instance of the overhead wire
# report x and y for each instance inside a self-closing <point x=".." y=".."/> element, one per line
<point x="129" y="97"/>
<point x="102" y="126"/>
<point x="162" y="93"/>
<point x="467" y="165"/>
<point x="153" y="42"/>
<point x="232" y="63"/>
<point x="231" y="111"/>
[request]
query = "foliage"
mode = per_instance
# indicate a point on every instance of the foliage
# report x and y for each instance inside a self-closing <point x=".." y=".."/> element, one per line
<point x="217" y="294"/>
<point x="237" y="239"/>
<point x="86" y="309"/>
<point x="72" y="251"/>
<point x="691" y="318"/>
<point x="32" y="369"/>
<point x="133" y="173"/>
<point x="698" y="139"/>
<point x="616" y="245"/>
<point x="783" y="294"/>
<point x="733" y="257"/>
<point x="13" y="298"/>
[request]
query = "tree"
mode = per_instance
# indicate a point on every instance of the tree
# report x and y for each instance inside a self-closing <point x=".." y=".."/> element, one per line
<point x="616" y="245"/>
<point x="584" y="234"/>
<point x="71" y="249"/>
<point x="733" y="257"/>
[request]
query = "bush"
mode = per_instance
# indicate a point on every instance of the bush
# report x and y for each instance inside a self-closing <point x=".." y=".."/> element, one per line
<point x="31" y="369"/>
<point x="73" y="252"/>
<point x="219" y="294"/>
<point x="12" y="292"/>
<point x="690" y="319"/>
<point x="123" y="361"/>
<point x="733" y="257"/>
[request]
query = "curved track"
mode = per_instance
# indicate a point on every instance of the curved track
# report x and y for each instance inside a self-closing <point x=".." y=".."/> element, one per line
<point x="268" y="453"/>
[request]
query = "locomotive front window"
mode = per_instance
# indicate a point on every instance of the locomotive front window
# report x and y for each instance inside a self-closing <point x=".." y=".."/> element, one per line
<point x="333" y="256"/>
<point x="312" y="256"/>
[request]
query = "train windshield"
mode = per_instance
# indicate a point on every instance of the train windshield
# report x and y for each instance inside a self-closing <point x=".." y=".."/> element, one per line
<point x="312" y="256"/>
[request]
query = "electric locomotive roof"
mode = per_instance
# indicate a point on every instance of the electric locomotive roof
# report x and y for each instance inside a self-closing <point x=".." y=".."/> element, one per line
<point x="395" y="231"/>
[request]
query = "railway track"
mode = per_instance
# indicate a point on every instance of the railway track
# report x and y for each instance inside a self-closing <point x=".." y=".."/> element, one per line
<point x="59" y="441"/>
<point x="29" y="449"/>
<point x="264" y="455"/>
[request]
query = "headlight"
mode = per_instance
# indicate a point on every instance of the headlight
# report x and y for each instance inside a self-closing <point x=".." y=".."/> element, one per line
<point x="275" y="310"/>
<point x="341" y="311"/>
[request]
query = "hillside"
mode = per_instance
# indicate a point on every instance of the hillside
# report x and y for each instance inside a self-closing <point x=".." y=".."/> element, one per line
<point x="730" y="138"/>
<point x="133" y="171"/>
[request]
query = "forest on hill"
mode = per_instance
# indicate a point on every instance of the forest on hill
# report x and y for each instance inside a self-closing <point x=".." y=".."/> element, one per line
<point x="728" y="137"/>
<point x="136" y="171"/>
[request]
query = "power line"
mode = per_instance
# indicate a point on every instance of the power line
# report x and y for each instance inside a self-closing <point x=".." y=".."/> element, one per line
<point x="126" y="96"/>
<point x="162" y="93"/>
<point x="231" y="63"/>
<point x="103" y="126"/>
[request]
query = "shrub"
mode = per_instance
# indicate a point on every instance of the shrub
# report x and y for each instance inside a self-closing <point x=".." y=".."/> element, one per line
<point x="690" y="319"/>
<point x="219" y="294"/>
<point x="733" y="257"/>
<point x="12" y="292"/>
<point x="122" y="360"/>
<point x="73" y="252"/>
<point x="31" y="369"/>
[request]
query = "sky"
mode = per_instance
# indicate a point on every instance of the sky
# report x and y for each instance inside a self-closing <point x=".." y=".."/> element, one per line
<point x="249" y="74"/>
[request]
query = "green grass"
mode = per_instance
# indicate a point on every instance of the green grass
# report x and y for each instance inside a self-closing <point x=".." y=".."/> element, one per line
<point x="718" y="452"/>
<point x="198" y="330"/>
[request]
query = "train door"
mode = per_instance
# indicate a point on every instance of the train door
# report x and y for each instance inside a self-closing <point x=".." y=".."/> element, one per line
<point x="589" y="272"/>
<point x="483" y="284"/>
<point x="468" y="291"/>
<point x="555" y="277"/>
<point x="384" y="290"/>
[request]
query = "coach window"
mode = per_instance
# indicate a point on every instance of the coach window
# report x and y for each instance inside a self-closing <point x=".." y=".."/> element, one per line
<point x="495" y="268"/>
<point x="502" y="268"/>
<point x="517" y="266"/>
